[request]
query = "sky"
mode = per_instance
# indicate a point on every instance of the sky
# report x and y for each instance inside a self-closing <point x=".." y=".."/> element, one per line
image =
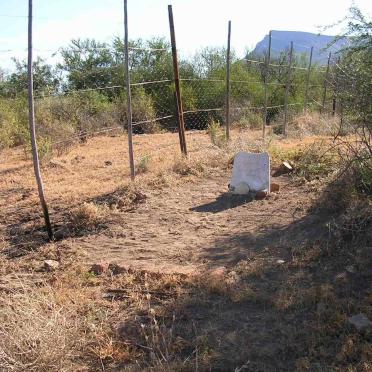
<point x="198" y="23"/>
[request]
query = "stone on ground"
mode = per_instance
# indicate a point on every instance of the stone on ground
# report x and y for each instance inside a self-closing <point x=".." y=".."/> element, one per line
<point x="50" y="265"/>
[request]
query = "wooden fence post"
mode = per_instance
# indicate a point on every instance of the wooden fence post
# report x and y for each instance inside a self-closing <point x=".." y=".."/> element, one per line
<point x="287" y="86"/>
<point x="267" y="63"/>
<point x="179" y="109"/>
<point x="228" y="87"/>
<point x="129" y="94"/>
<point x="325" y="83"/>
<point x="308" y="80"/>
<point x="31" y="121"/>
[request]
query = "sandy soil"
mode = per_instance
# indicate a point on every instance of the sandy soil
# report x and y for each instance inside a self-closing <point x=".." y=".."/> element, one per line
<point x="198" y="225"/>
<point x="182" y="228"/>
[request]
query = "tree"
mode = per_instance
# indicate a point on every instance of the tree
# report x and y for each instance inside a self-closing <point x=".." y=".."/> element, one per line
<point x="88" y="64"/>
<point x="354" y="80"/>
<point x="355" y="70"/>
<point x="46" y="79"/>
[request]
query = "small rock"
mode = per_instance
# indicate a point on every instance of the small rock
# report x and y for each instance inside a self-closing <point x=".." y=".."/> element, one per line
<point x="360" y="321"/>
<point x="274" y="187"/>
<point x="108" y="163"/>
<point x="287" y="166"/>
<point x="240" y="189"/>
<point x="284" y="168"/>
<point x="97" y="269"/>
<point x="50" y="265"/>
<point x="260" y="195"/>
<point x="280" y="262"/>
<point x="116" y="269"/>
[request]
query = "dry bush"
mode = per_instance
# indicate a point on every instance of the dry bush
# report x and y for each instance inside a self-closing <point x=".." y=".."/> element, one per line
<point x="143" y="111"/>
<point x="314" y="123"/>
<point x="124" y="198"/>
<point x="184" y="166"/>
<point x="314" y="161"/>
<point x="37" y="332"/>
<point x="88" y="215"/>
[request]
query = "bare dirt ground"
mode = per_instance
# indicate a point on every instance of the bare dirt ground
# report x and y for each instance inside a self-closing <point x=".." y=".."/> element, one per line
<point x="208" y="281"/>
<point x="174" y="229"/>
<point x="190" y="227"/>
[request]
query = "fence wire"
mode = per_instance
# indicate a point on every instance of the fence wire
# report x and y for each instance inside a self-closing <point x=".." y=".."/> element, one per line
<point x="91" y="99"/>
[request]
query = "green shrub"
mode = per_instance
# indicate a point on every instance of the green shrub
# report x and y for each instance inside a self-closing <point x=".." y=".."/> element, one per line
<point x="143" y="164"/>
<point x="217" y="134"/>
<point x="315" y="161"/>
<point x="362" y="172"/>
<point x="13" y="123"/>
<point x="142" y="111"/>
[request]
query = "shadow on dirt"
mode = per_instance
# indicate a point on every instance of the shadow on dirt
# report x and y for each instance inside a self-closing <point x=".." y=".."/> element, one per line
<point x="224" y="202"/>
<point x="26" y="233"/>
<point x="265" y="315"/>
<point x="280" y="240"/>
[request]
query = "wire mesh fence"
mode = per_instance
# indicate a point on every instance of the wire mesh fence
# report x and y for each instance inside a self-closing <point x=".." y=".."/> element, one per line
<point x="83" y="91"/>
<point x="84" y="94"/>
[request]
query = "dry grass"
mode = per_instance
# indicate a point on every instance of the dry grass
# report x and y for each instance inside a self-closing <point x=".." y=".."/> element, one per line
<point x="38" y="331"/>
<point x="88" y="215"/>
<point x="166" y="322"/>
<point x="314" y="124"/>
<point x="256" y="315"/>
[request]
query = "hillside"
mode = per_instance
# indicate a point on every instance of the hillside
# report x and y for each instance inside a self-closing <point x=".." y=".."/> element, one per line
<point x="303" y="41"/>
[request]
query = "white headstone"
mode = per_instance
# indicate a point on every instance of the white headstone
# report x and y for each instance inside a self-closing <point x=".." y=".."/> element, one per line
<point x="250" y="169"/>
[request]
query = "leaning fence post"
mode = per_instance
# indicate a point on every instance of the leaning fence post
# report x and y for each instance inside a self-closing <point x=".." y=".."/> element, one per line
<point x="179" y="109"/>
<point x="31" y="121"/>
<point x="287" y="85"/>
<point x="129" y="96"/>
<point x="267" y="63"/>
<point x="308" y="79"/>
<point x="326" y="82"/>
<point x="228" y="87"/>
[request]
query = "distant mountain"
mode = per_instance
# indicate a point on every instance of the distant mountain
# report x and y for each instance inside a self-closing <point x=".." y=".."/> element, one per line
<point x="302" y="42"/>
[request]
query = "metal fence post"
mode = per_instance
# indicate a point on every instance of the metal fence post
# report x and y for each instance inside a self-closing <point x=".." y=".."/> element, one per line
<point x="179" y="109"/>
<point x="31" y="121"/>
<point x="287" y="86"/>
<point x="267" y="63"/>
<point x="129" y="97"/>
<point x="228" y="87"/>
<point x="308" y="80"/>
